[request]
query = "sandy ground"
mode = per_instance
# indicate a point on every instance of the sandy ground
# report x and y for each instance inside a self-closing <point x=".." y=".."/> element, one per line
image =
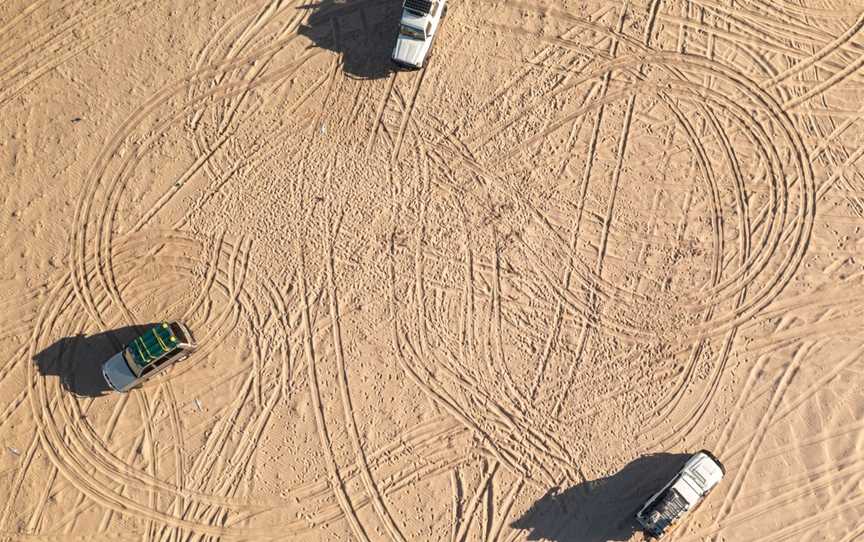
<point x="493" y="300"/>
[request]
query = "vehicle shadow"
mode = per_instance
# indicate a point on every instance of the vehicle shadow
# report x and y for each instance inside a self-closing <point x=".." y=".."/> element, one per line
<point x="600" y="510"/>
<point x="77" y="360"/>
<point x="362" y="32"/>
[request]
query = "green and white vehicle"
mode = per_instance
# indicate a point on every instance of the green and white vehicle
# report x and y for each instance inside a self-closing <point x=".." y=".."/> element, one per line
<point x="151" y="353"/>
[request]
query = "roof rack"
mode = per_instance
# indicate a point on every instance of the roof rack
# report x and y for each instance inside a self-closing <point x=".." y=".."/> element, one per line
<point x="153" y="344"/>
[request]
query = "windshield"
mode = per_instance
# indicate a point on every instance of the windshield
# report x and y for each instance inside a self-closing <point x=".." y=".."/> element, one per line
<point x="411" y="32"/>
<point x="130" y="361"/>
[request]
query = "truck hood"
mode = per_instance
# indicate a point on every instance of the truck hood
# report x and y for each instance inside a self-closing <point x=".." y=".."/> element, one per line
<point x="117" y="374"/>
<point x="704" y="472"/>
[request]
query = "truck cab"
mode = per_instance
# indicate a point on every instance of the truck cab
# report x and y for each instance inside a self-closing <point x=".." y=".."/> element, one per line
<point x="417" y="29"/>
<point x="699" y="475"/>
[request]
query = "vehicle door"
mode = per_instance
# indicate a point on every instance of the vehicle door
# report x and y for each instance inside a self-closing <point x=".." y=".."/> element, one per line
<point x="160" y="364"/>
<point x="150" y="370"/>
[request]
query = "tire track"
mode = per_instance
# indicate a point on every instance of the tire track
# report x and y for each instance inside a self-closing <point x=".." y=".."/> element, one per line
<point x="538" y="59"/>
<point x="336" y="482"/>
<point x="406" y="116"/>
<point x="764" y="424"/>
<point x="756" y="252"/>
<point x="694" y="416"/>
<point x="819" y="55"/>
<point x="802" y="226"/>
<point x="23" y="69"/>
<point x="372" y="490"/>
<point x="101" y="165"/>
<point x="616" y="176"/>
<point x="379" y="113"/>
<point x="598" y="268"/>
<point x="71" y="422"/>
<point x="471" y="508"/>
<point x="576" y="226"/>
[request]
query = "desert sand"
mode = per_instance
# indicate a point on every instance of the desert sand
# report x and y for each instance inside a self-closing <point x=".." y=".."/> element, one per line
<point x="497" y="299"/>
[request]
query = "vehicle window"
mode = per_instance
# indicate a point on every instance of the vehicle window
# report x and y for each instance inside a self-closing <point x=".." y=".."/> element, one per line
<point x="169" y="356"/>
<point x="429" y="29"/>
<point x="178" y="332"/>
<point x="130" y="361"/>
<point x="411" y="32"/>
<point x="159" y="362"/>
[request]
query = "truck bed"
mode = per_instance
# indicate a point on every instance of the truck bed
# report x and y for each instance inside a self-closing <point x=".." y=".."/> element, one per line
<point x="669" y="506"/>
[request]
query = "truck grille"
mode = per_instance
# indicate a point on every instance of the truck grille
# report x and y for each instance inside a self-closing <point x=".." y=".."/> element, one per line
<point x="421" y="7"/>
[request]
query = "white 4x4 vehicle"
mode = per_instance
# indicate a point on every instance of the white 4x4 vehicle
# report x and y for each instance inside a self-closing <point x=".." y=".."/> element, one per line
<point x="419" y="25"/>
<point x="696" y="478"/>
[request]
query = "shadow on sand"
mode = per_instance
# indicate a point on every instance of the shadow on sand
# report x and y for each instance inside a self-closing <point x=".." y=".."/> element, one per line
<point x="601" y="510"/>
<point x="78" y="360"/>
<point x="362" y="32"/>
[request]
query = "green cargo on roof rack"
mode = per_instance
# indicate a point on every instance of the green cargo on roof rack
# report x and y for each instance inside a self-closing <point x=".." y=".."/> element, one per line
<point x="153" y="344"/>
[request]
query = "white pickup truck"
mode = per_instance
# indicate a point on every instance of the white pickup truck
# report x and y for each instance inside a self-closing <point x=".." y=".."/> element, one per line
<point x="417" y="29"/>
<point x="696" y="478"/>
